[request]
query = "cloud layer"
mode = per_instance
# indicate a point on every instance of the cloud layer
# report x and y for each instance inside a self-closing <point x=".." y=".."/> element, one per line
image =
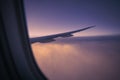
<point x="82" y="60"/>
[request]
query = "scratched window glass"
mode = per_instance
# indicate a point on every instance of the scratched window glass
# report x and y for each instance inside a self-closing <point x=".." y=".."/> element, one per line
<point x="75" y="39"/>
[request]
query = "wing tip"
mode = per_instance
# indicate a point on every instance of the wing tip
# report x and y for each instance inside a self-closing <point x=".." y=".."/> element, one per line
<point x="92" y="26"/>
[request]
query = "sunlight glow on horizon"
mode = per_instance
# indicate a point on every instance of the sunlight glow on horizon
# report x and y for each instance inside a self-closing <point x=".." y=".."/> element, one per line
<point x="90" y="32"/>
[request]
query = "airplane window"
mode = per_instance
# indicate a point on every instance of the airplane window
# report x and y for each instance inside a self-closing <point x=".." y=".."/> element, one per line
<point x="75" y="39"/>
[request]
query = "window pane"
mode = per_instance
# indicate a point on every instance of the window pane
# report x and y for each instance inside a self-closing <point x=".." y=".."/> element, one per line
<point x="91" y="54"/>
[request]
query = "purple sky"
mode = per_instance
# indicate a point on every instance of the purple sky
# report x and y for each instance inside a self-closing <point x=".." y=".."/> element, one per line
<point x="45" y="17"/>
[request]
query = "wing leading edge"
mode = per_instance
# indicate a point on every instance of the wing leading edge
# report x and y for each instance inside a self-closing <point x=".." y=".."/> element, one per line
<point x="50" y="38"/>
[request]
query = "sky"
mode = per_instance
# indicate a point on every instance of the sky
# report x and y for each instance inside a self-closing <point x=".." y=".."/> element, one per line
<point x="45" y="17"/>
<point x="75" y="59"/>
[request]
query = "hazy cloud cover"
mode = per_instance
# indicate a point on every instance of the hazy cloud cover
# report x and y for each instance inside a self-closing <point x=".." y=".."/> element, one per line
<point x="85" y="60"/>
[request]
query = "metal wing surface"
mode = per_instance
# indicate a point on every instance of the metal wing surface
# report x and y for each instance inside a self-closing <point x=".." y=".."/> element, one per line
<point x="50" y="38"/>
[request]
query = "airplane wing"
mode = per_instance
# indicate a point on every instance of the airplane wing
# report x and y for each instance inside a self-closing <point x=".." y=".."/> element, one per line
<point x="50" y="38"/>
